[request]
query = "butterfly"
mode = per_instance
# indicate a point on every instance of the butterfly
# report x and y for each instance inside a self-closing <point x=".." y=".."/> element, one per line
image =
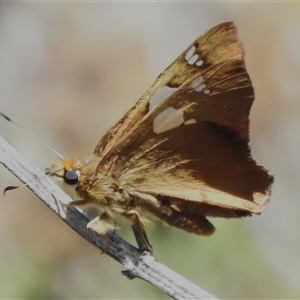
<point x="183" y="160"/>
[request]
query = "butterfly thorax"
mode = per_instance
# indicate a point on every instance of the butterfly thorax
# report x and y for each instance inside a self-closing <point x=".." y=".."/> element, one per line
<point x="97" y="186"/>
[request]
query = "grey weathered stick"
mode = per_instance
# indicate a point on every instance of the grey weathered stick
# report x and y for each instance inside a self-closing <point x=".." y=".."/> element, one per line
<point x="143" y="266"/>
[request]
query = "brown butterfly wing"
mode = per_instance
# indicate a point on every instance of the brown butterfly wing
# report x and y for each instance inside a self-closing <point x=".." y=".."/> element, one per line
<point x="217" y="45"/>
<point x="198" y="163"/>
<point x="203" y="166"/>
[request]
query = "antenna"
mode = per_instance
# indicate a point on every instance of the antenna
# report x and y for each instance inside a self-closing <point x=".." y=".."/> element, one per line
<point x="10" y="120"/>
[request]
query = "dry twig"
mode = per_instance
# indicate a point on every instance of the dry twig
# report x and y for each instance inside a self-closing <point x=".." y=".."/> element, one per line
<point x="136" y="264"/>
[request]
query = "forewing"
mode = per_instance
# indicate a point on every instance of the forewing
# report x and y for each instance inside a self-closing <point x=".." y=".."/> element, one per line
<point x="217" y="45"/>
<point x="200" y="154"/>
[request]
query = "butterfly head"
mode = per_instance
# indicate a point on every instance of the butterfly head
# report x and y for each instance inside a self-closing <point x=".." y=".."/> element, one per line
<point x="66" y="171"/>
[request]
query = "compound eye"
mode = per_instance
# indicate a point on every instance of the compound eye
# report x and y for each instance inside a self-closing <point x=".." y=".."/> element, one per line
<point x="71" y="177"/>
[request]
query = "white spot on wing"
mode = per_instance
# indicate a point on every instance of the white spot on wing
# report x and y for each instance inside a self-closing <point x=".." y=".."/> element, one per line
<point x="197" y="82"/>
<point x="160" y="95"/>
<point x="190" y="53"/>
<point x="175" y="207"/>
<point x="199" y="86"/>
<point x="193" y="59"/>
<point x="199" y="63"/>
<point x="168" y="119"/>
<point x="190" y="121"/>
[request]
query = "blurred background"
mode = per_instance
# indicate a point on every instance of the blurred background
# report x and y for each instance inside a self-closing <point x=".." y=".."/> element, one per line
<point x="68" y="71"/>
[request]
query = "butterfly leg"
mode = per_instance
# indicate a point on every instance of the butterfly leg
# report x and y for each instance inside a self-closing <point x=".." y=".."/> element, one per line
<point x="140" y="234"/>
<point x="101" y="225"/>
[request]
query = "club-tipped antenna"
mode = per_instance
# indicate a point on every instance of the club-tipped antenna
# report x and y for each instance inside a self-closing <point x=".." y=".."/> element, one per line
<point x="16" y="124"/>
